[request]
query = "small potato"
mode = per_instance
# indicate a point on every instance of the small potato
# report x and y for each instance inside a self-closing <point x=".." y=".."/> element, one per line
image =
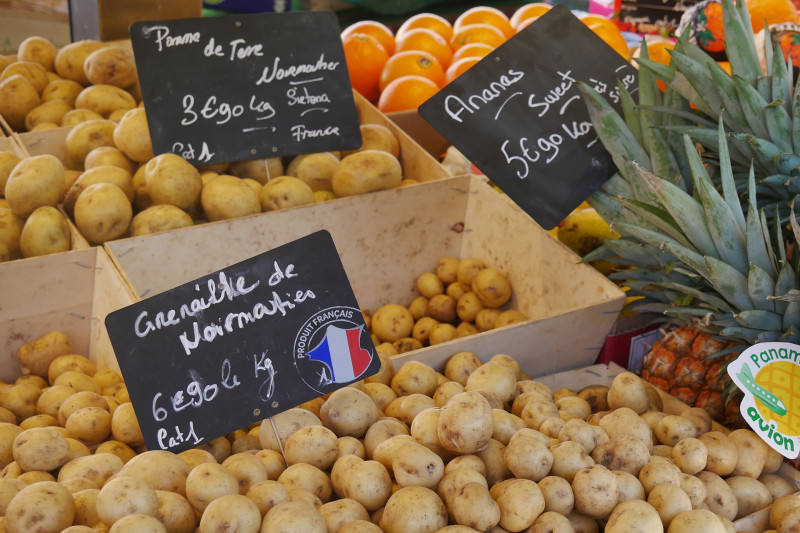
<point x="537" y="411"/>
<point x="53" y="505"/>
<point x="776" y="485"/>
<point x="232" y="512"/>
<point x="38" y="49"/>
<point x="625" y="422"/>
<point x="66" y="90"/>
<point x="366" y="171"/>
<point x="20" y="400"/>
<point x="208" y="481"/>
<point x="103" y="212"/>
<point x="308" y="477"/>
<point x="46" y="231"/>
<point x="35" y="182"/>
<point x="557" y="493"/>
<point x="85" y="137"/>
<point x="125" y="426"/>
<point x="752" y="451"/>
<point x="78" y="116"/>
<point x="340" y="512"/>
<point x="111" y="65"/>
<point x="696" y="520"/>
<point x="655" y="472"/>
<point x="377" y="137"/>
<point x="473" y="506"/>
<point x="668" y="500"/>
<point x="634" y="516"/>
<point x="568" y="458"/>
<point x="596" y="491"/>
<point x="723" y="454"/>
<point x="51" y="112"/>
<point x="429" y="285"/>
<point x="316" y="445"/>
<point x="261" y="170"/>
<point x="781" y="506"/>
<point x="392" y="322"/>
<point x="528" y="458"/>
<point x="418" y="307"/>
<point x="132" y="136"/>
<point x="42" y="449"/>
<point x="160" y="469"/>
<point x="293" y="516"/>
<point x="751" y="495"/>
<point x="284" y="192"/>
<point x="424" y="429"/>
<point x="105" y="99"/>
<point x="629" y="390"/>
<point x="366" y="482"/>
<point x="100" y="174"/>
<point x="18" y="97"/>
<point x="695" y="489"/>
<point x="520" y="504"/>
<point x="699" y="417"/>
<point x="581" y="432"/>
<point x="90" y="424"/>
<point x="413" y="509"/>
<point x="720" y="498"/>
<point x="315" y="170"/>
<point x="690" y="455"/>
<point x="491" y="287"/>
<point x="630" y="488"/>
<point x="226" y="197"/>
<point x="460" y="365"/>
<point x="159" y="218"/>
<point x="350" y="446"/>
<point x="495" y="378"/>
<point x="173" y="180"/>
<point x="286" y="423"/>
<point x="10" y="233"/>
<point x="505" y="423"/>
<point x="70" y="58"/>
<point x="349" y="412"/>
<point x="413" y="377"/>
<point x="416" y="465"/>
<point x="380" y="394"/>
<point x="123" y="496"/>
<point x="672" y="428"/>
<point x="466" y="423"/>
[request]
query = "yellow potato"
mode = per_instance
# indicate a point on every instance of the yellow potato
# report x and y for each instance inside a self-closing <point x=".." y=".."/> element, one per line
<point x="46" y="231"/>
<point x="8" y="160"/>
<point x="108" y="155"/>
<point x="84" y="138"/>
<point x="315" y="170"/>
<point x="172" y="180"/>
<point x="104" y="99"/>
<point x="112" y="65"/>
<point x="54" y="507"/>
<point x="283" y="192"/>
<point x="35" y="182"/>
<point x="102" y="174"/>
<point x="226" y="197"/>
<point x="66" y="90"/>
<point x="159" y="218"/>
<point x="32" y="71"/>
<point x="261" y="170"/>
<point x="132" y="136"/>
<point x="78" y="116"/>
<point x="38" y="49"/>
<point x="10" y="233"/>
<point x="366" y="171"/>
<point x="377" y="137"/>
<point x="69" y="59"/>
<point x="47" y="113"/>
<point x="18" y="97"/>
<point x="103" y="212"/>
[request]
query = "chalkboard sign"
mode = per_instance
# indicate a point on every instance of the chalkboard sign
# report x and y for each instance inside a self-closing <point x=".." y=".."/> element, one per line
<point x="518" y="114"/>
<point x="242" y="87"/>
<point x="242" y="344"/>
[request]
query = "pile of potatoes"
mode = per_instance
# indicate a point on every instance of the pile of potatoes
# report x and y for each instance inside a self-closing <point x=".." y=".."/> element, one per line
<point x="460" y="297"/>
<point x="476" y="447"/>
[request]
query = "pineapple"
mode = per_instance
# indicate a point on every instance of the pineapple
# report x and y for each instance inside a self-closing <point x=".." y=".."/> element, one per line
<point x="726" y="274"/>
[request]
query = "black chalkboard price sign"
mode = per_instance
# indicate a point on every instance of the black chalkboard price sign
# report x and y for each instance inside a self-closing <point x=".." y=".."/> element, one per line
<point x="239" y="87"/>
<point x="518" y="114"/>
<point x="242" y="344"/>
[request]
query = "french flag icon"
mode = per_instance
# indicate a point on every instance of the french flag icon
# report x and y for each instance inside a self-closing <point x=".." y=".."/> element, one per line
<point x="340" y="350"/>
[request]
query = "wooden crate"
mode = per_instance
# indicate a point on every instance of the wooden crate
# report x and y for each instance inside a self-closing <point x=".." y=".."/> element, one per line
<point x="386" y="239"/>
<point x="603" y="374"/>
<point x="71" y="292"/>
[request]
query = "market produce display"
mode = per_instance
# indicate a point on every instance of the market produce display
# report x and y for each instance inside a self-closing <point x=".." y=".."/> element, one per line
<point x="400" y="70"/>
<point x="701" y="256"/>
<point x="474" y="447"/>
<point x="462" y="297"/>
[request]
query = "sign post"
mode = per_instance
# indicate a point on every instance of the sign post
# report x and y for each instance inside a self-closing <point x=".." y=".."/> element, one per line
<point x="242" y="344"/>
<point x="518" y="114"/>
<point x="240" y="87"/>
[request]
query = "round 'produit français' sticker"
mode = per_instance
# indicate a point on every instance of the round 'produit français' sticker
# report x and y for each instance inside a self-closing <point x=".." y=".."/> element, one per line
<point x="768" y="374"/>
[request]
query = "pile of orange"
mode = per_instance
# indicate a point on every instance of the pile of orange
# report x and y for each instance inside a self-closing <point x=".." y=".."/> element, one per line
<point x="400" y="70"/>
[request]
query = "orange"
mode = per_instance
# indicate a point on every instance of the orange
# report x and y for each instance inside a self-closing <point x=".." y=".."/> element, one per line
<point x="524" y="24"/>
<point x="477" y="33"/>
<point x="376" y="29"/>
<point x="726" y="66"/>
<point x="472" y="50"/>
<point x="770" y="11"/>
<point x="365" y="59"/>
<point x="412" y="62"/>
<point x="427" y="41"/>
<point x="603" y="21"/>
<point x="459" y="67"/>
<point x="485" y="15"/>
<point x="406" y="92"/>
<point x="612" y="38"/>
<point x="427" y="21"/>
<point x="535" y="9"/>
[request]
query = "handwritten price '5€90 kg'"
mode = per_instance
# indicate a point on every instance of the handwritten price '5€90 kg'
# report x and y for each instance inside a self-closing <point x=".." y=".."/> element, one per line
<point x="544" y="148"/>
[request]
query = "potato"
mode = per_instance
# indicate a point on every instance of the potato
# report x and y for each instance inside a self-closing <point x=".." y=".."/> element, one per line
<point x="293" y="516"/>
<point x="424" y="430"/>
<point x="776" y="485"/>
<point x="473" y="506"/>
<point x="634" y="516"/>
<point x="455" y="290"/>
<point x="781" y="506"/>
<point x="452" y="483"/>
<point x="466" y="423"/>
<point x="47" y="112"/>
<point x="366" y="171"/>
<point x="416" y="465"/>
<point x="690" y="455"/>
<point x="695" y="489"/>
<point x="267" y="494"/>
<point x="441" y="308"/>
<point x="78" y="116"/>
<point x="568" y="458"/>
<point x="160" y="469"/>
<point x="537" y="411"/>
<point x="103" y="212"/>
<point x="629" y="390"/>
<point x="79" y="400"/>
<point x="366" y="482"/>
<point x="350" y="446"/>
<point x="672" y="428"/>
<point x="20" y="400"/>
<point x="18" y="97"/>
<point x="8" y="489"/>
<point x="493" y="377"/>
<point x="112" y="65"/>
<point x="699" y="417"/>
<point x="42" y="449"/>
<point x="348" y="411"/>
<point x="630" y="488"/>
<point x="158" y="218"/>
<point x="315" y="445"/>
<point x="596" y="491"/>
<point x="751" y="495"/>
<point x="226" y="197"/>
<point x="505" y="423"/>
<point x="752" y="451"/>
<point x="308" y="477"/>
<point x="521" y="502"/>
<point x="413" y="510"/>
<point x="624" y="421"/>
<point x="70" y="58"/>
<point x="90" y="424"/>
<point x="622" y="453"/>
<point x="508" y="318"/>
<point x="283" y="192"/>
<point x="528" y="458"/>
<point x="124" y="495"/>
<point x="53" y="505"/>
<point x="10" y="233"/>
<point x="208" y="481"/>
<point x="696" y="520"/>
<point x="340" y="512"/>
<point x="381" y="431"/>
<point x="125" y="426"/>
<point x="720" y="498"/>
<point x="261" y="170"/>
<point x="8" y="161"/>
<point x="35" y="182"/>
<point x="132" y="136"/>
<point x="285" y="423"/>
<point x="723" y="454"/>
<point x="100" y="174"/>
<point x="232" y="512"/>
<point x="486" y="318"/>
<point x="64" y="90"/>
<point x="98" y="468"/>
<point x="669" y="500"/>
<point x="46" y="231"/>
<point x="172" y="180"/>
<point x="460" y="365"/>
<point x="376" y="137"/>
<point x="790" y="521"/>
<point x="491" y="287"/>
<point x="38" y="49"/>
<point x="315" y="170"/>
<point x="472" y="462"/>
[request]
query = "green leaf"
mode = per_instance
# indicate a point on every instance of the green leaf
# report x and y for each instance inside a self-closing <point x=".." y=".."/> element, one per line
<point x="753" y="105"/>
<point x="779" y="125"/>
<point x="689" y="257"/>
<point x="690" y="92"/>
<point x="781" y="80"/>
<point x="634" y="252"/>
<point x="760" y="286"/>
<point x="796" y="119"/>
<point x="663" y="160"/>
<point x="629" y="112"/>
<point x="687" y="212"/>
<point x="658" y="218"/>
<point x="729" y="283"/>
<point x="747" y="334"/>
<point x="726" y="89"/>
<point x="727" y="180"/>
<point x="607" y="206"/>
<point x="717" y="303"/>
<point x="653" y="238"/>
<point x="760" y="319"/>
<point x="791" y="317"/>
<point x="740" y="44"/>
<point x="757" y="252"/>
<point x="701" y="79"/>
